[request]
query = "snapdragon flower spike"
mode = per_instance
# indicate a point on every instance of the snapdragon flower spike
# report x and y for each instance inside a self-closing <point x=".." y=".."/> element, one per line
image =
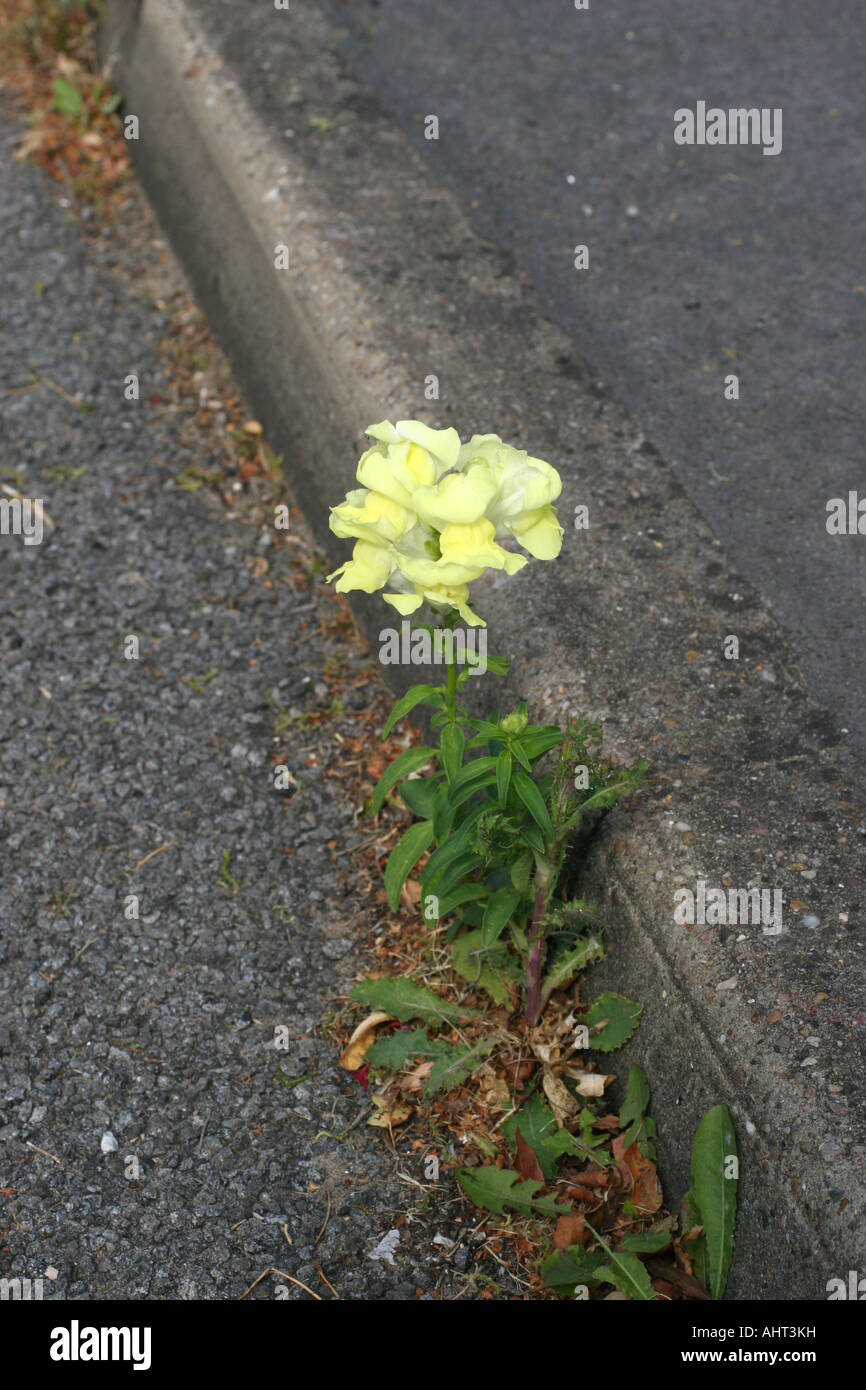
<point x="429" y="516"/>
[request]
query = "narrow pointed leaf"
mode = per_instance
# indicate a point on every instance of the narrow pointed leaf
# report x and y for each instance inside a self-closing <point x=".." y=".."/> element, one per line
<point x="409" y="761"/>
<point x="533" y="800"/>
<point x="497" y="914"/>
<point x="415" y="695"/>
<point x="466" y="893"/>
<point x="419" y="794"/>
<point x="714" y="1154"/>
<point x="626" y="1272"/>
<point x="537" y="741"/>
<point x="503" y="776"/>
<point x="471" y="777"/>
<point x="404" y="856"/>
<point x="452" y="744"/>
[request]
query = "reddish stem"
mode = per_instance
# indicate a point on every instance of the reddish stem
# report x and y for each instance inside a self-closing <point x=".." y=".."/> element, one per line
<point x="535" y="961"/>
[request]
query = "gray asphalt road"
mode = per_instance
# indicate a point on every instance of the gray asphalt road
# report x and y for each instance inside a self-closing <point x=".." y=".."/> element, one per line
<point x="158" y="1138"/>
<point x="556" y="129"/>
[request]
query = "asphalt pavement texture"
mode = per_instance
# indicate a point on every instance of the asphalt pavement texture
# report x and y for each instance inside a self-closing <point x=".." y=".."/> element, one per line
<point x="556" y="129"/>
<point x="157" y="1141"/>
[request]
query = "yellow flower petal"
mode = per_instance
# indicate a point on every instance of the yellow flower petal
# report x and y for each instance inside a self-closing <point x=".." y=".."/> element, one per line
<point x="539" y="532"/>
<point x="370" y="567"/>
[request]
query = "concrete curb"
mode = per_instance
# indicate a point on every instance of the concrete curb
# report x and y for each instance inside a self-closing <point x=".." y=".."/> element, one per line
<point x="751" y="780"/>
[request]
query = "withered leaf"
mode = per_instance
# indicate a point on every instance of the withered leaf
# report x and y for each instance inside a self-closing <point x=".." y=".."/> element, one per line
<point x="570" y="1230"/>
<point x="526" y="1160"/>
<point x="363" y="1037"/>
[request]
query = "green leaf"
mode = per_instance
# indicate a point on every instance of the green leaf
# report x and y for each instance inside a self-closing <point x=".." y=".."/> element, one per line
<point x="485" y="729"/>
<point x="520" y="870"/>
<point x="419" y="794"/>
<point x="404" y="856"/>
<point x="402" y="1047"/>
<point x="498" y="665"/>
<point x="67" y="99"/>
<point x="503" y="776"/>
<point x="484" y="971"/>
<point x="470" y="915"/>
<point x="497" y="914"/>
<point x="646" y="1137"/>
<point x="637" y="1096"/>
<point x="405" y="999"/>
<point x="623" y="1016"/>
<point x="451" y="876"/>
<point x="452" y="1068"/>
<point x="588" y="1146"/>
<point x="531" y="835"/>
<point x="452" y="743"/>
<point x="471" y="778"/>
<point x="448" y="850"/>
<point x="533" y="800"/>
<point x="648" y="1243"/>
<point x="713" y="1150"/>
<point x="628" y="1274"/>
<point x="537" y="1124"/>
<point x="626" y="782"/>
<point x="521" y="757"/>
<point x="409" y="761"/>
<point x="443" y="813"/>
<point x="494" y="1189"/>
<point x="415" y="695"/>
<point x="563" y="1270"/>
<point x="539" y="739"/>
<point x="570" y="964"/>
<point x="697" y="1246"/>
<point x="466" y="893"/>
<point x="643" y="1127"/>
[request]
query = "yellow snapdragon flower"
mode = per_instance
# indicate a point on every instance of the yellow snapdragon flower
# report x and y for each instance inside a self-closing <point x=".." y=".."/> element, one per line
<point x="430" y="513"/>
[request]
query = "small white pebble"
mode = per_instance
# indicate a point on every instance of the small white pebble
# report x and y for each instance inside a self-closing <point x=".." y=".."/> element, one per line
<point x="386" y="1247"/>
<point x="108" y="1143"/>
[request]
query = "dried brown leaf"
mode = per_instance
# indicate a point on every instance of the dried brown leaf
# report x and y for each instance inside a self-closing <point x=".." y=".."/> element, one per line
<point x="363" y="1037"/>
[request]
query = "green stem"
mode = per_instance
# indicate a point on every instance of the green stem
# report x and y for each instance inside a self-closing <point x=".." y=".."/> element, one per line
<point x="449" y="621"/>
<point x="537" y="949"/>
<point x="452" y="687"/>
